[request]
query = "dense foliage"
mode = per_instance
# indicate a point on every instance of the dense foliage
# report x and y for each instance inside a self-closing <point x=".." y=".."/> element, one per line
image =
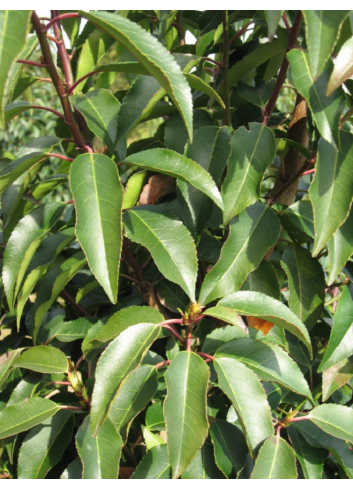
<point x="177" y="305"/>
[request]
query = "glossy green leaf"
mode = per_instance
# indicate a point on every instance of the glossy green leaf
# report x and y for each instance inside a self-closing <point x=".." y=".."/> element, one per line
<point x="154" y="417"/>
<point x="121" y="320"/>
<point x="44" y="446"/>
<point x="219" y="337"/>
<point x="332" y="189"/>
<point x="251" y="235"/>
<point x="273" y="18"/>
<point x="244" y="390"/>
<point x="73" y="470"/>
<point x="151" y="439"/>
<point x="133" y="188"/>
<point x="17" y="167"/>
<point x="334" y="419"/>
<point x="306" y="284"/>
<point x="175" y="165"/>
<point x="121" y="357"/>
<point x="25" y="388"/>
<point x="101" y="110"/>
<point x="15" y="109"/>
<point x="133" y="396"/>
<point x="229" y="316"/>
<point x="185" y="407"/>
<point x="151" y="54"/>
<point x="163" y="235"/>
<point x="25" y="414"/>
<point x="276" y="460"/>
<point x="210" y="149"/>
<point x="269" y="309"/>
<point x="264" y="279"/>
<point x="23" y="243"/>
<point x="252" y="153"/>
<point x="98" y="195"/>
<point x="335" y="377"/>
<point x="339" y="449"/>
<point x="268" y="362"/>
<point x="51" y="286"/>
<point x="301" y="215"/>
<point x="154" y="465"/>
<point x="340" y="345"/>
<point x="311" y="459"/>
<point x="326" y="110"/>
<point x="13" y="33"/>
<point x="230" y="448"/>
<point x="73" y="330"/>
<point x="45" y="254"/>
<point x="44" y="359"/>
<point x="340" y="248"/>
<point x="343" y="67"/>
<point x="203" y="465"/>
<point x="100" y="455"/>
<point x="322" y="31"/>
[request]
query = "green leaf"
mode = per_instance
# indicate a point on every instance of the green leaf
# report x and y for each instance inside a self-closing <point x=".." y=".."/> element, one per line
<point x="121" y="320"/>
<point x="154" y="417"/>
<point x="252" y="153"/>
<point x="203" y="465"/>
<point x="322" y="32"/>
<point x="301" y="215"/>
<point x="318" y="438"/>
<point x="340" y="345"/>
<point x="343" y="67"/>
<point x="51" y="286"/>
<point x="334" y="419"/>
<point x="244" y="390"/>
<point x="219" y="337"/>
<point x="264" y="279"/>
<point x="210" y="149"/>
<point x="152" y="55"/>
<point x="101" y="110"/>
<point x="25" y="414"/>
<point x="326" y="110"/>
<point x="17" y="167"/>
<point x="230" y="448"/>
<point x="133" y="396"/>
<point x="45" y="254"/>
<point x="25" y="388"/>
<point x="198" y="84"/>
<point x="92" y="51"/>
<point x="229" y="316"/>
<point x="121" y="357"/>
<point x="162" y="235"/>
<point x="273" y="18"/>
<point x="154" y="465"/>
<point x="151" y="439"/>
<point x="269" y="362"/>
<point x="23" y="243"/>
<point x="340" y="248"/>
<point x="98" y="194"/>
<point x="269" y="309"/>
<point x="13" y="33"/>
<point x="44" y="359"/>
<point x="6" y="362"/>
<point x="335" y="377"/>
<point x="258" y="95"/>
<point x="251" y="235"/>
<point x="73" y="470"/>
<point x="306" y="282"/>
<point x="311" y="459"/>
<point x="175" y="165"/>
<point x="100" y="455"/>
<point x="44" y="446"/>
<point x="16" y="108"/>
<point x="276" y="460"/>
<point x="332" y="188"/>
<point x="185" y="409"/>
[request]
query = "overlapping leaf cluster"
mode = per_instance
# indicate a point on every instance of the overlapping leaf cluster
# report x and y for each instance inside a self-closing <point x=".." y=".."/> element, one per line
<point x="185" y="314"/>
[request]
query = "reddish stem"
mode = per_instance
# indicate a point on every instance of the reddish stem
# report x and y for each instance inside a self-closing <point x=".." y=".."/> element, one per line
<point x="209" y="358"/>
<point x="172" y="330"/>
<point x="309" y="171"/>
<point x="70" y="15"/>
<point x="31" y="63"/>
<point x="285" y="20"/>
<point x="283" y="69"/>
<point x="74" y="408"/>
<point x="239" y="33"/>
<point x="172" y="321"/>
<point x="48" y="109"/>
<point x="217" y="63"/>
<point x="77" y="82"/>
<point x="162" y="364"/>
<point x="72" y="301"/>
<point x="61" y="157"/>
<point x="303" y="418"/>
<point x="79" y="361"/>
